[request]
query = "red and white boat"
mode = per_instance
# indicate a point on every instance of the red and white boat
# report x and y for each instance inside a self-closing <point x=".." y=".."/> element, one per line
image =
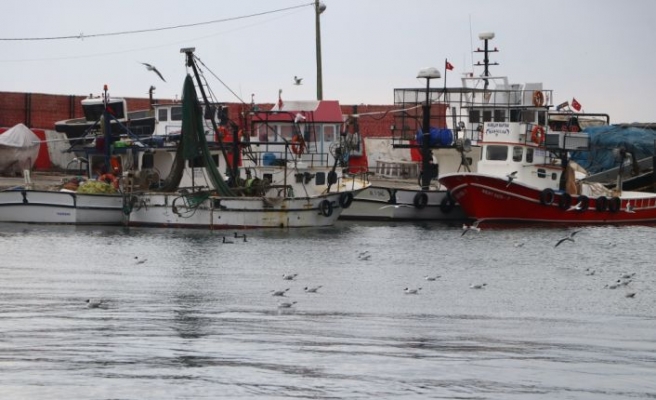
<point x="524" y="174"/>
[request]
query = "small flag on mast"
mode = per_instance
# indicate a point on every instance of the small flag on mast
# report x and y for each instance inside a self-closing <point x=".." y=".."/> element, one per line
<point x="449" y="66"/>
<point x="280" y="103"/>
<point x="576" y="105"/>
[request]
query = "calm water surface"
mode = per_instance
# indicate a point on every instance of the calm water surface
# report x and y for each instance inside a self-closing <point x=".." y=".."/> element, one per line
<point x="197" y="319"/>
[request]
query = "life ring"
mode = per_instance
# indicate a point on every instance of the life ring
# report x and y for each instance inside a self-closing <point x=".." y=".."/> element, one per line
<point x="537" y="134"/>
<point x="547" y="197"/>
<point x="538" y="98"/>
<point x="447" y="204"/>
<point x="420" y="200"/>
<point x="345" y="200"/>
<point x="110" y="179"/>
<point x="298" y="144"/>
<point x="584" y="202"/>
<point x="614" y="204"/>
<point x="601" y="203"/>
<point x="326" y="208"/>
<point x="565" y="201"/>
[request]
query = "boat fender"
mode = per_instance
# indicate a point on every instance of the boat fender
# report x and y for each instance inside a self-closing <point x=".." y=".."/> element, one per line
<point x="601" y="203"/>
<point x="447" y="204"/>
<point x="565" y="201"/>
<point x="420" y="200"/>
<point x="537" y="134"/>
<point x="585" y="202"/>
<point x="345" y="200"/>
<point x="547" y="197"/>
<point x="326" y="208"/>
<point x="614" y="204"/>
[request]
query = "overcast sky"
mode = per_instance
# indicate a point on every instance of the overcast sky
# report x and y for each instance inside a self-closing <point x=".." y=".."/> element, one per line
<point x="599" y="52"/>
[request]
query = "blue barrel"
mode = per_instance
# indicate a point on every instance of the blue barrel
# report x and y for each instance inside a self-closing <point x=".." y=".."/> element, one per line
<point x="437" y="136"/>
<point x="268" y="158"/>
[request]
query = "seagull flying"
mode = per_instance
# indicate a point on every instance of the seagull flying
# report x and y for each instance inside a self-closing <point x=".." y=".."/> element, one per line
<point x="511" y="177"/>
<point x="577" y="207"/>
<point x="297" y="80"/>
<point x="152" y="68"/>
<point x="567" y="238"/>
<point x="466" y="228"/>
<point x="279" y="292"/>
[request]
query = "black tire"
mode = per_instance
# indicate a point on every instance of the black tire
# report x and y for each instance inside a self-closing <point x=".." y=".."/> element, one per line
<point x="547" y="197"/>
<point x="601" y="203"/>
<point x="565" y="201"/>
<point x="447" y="204"/>
<point x="585" y="202"/>
<point x="326" y="208"/>
<point x="420" y="200"/>
<point x="345" y="200"/>
<point x="614" y="204"/>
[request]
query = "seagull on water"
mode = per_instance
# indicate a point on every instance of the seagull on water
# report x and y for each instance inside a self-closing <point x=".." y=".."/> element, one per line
<point x="227" y="241"/>
<point x="94" y="303"/>
<point x="466" y="228"/>
<point x="152" y="68"/>
<point x="567" y="238"/>
<point x="511" y="177"/>
<point x="138" y="261"/>
<point x="477" y="286"/>
<point x="279" y="292"/>
<point x="289" y="277"/>
<point x="432" y="278"/>
<point x="286" y="304"/>
<point x="297" y="80"/>
<point x="412" y="291"/>
<point x="590" y="271"/>
<point x="312" y="289"/>
<point x="630" y="295"/>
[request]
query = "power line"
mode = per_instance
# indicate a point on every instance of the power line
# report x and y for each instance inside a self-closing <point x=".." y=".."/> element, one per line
<point x="83" y="36"/>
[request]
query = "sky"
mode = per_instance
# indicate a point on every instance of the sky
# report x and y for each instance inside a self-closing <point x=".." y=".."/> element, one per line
<point x="597" y="51"/>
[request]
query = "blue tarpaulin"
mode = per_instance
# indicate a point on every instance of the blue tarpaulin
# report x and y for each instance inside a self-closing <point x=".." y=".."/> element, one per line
<point x="606" y="140"/>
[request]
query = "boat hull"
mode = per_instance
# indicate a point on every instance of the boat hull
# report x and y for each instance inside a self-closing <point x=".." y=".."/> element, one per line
<point x="489" y="198"/>
<point x="180" y="211"/>
<point x="49" y="207"/>
<point x="387" y="203"/>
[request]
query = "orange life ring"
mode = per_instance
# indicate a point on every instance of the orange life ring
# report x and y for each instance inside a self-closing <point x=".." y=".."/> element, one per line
<point x="538" y="98"/>
<point x="109" y="178"/>
<point x="298" y="144"/>
<point x="537" y="134"/>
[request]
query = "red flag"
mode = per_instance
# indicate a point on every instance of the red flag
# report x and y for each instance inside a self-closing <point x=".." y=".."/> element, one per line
<point x="576" y="105"/>
<point x="280" y="103"/>
<point x="449" y="66"/>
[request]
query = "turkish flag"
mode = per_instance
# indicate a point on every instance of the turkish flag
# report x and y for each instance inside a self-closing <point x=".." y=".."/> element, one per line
<point x="576" y="105"/>
<point x="449" y="66"/>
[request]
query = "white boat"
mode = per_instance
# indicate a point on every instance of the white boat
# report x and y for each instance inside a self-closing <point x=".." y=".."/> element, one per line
<point x="279" y="175"/>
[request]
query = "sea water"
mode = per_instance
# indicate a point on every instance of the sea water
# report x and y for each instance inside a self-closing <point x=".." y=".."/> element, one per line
<point x="197" y="319"/>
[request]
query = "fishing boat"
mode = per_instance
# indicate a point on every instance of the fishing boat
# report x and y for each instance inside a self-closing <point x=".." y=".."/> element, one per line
<point x="277" y="174"/>
<point x="525" y="173"/>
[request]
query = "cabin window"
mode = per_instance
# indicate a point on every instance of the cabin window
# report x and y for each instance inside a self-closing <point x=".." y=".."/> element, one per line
<point x="474" y="116"/>
<point x="528" y="116"/>
<point x="529" y="155"/>
<point x="518" y="152"/>
<point x="176" y="114"/>
<point x="542" y="118"/>
<point x="554" y="176"/>
<point x="499" y="115"/>
<point x="286" y="132"/>
<point x="329" y="133"/>
<point x="163" y="114"/>
<point x="542" y="173"/>
<point x="487" y="116"/>
<point x="497" y="153"/>
<point x="515" y="115"/>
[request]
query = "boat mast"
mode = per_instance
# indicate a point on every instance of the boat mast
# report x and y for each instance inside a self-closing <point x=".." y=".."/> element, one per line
<point x="486" y="37"/>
